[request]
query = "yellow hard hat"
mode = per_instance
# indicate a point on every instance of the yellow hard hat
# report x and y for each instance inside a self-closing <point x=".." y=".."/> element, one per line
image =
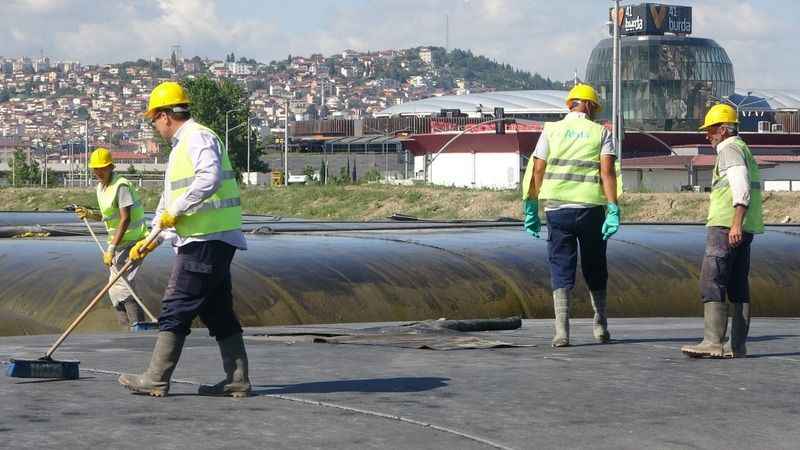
<point x="168" y="93"/>
<point x="584" y="92"/>
<point x="100" y="158"/>
<point x="720" y="113"/>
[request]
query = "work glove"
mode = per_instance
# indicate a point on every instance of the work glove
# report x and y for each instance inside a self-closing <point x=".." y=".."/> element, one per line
<point x="108" y="255"/>
<point x="532" y="223"/>
<point x="611" y="224"/>
<point x="139" y="250"/>
<point x="88" y="214"/>
<point x="167" y="220"/>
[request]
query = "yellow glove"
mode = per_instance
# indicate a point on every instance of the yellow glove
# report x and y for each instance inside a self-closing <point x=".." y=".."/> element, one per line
<point x="108" y="255"/>
<point x="167" y="220"/>
<point x="139" y="250"/>
<point x="88" y="214"/>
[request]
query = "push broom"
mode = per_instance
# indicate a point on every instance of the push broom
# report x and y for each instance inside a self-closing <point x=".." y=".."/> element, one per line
<point x="139" y="326"/>
<point x="46" y="366"/>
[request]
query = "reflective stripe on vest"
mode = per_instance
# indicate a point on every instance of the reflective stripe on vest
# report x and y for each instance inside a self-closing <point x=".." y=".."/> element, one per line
<point x="721" y="210"/>
<point x="107" y="199"/>
<point x="221" y="211"/>
<point x="572" y="173"/>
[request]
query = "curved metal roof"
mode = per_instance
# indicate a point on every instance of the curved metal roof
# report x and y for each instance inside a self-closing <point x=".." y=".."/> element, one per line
<point x="778" y="99"/>
<point x="514" y="102"/>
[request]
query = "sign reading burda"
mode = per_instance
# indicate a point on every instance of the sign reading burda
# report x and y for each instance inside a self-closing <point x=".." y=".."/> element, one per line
<point x="652" y="18"/>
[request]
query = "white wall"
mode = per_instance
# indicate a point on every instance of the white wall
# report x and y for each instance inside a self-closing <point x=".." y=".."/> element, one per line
<point x="478" y="170"/>
<point x="653" y="180"/>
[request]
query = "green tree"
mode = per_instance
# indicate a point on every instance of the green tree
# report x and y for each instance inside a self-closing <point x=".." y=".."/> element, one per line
<point x="22" y="172"/>
<point x="210" y="100"/>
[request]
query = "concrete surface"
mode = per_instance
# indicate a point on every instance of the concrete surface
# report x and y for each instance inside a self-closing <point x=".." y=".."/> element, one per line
<point x="637" y="392"/>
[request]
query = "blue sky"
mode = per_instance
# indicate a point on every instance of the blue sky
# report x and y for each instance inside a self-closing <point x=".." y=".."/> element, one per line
<point x="550" y="37"/>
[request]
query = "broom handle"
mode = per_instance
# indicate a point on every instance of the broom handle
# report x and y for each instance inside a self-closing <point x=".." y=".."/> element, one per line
<point x="150" y="238"/>
<point x="123" y="279"/>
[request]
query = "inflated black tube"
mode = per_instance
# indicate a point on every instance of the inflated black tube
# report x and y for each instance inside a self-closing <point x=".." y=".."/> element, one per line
<point x="404" y="275"/>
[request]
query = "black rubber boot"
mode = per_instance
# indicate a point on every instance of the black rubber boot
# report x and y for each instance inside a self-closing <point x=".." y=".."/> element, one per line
<point x="234" y="361"/>
<point x="736" y="347"/>
<point x="715" y="319"/>
<point x="561" y="324"/>
<point x="155" y="380"/>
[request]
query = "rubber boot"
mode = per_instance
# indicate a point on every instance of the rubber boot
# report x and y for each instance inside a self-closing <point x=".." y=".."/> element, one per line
<point x="715" y="320"/>
<point x="600" y="327"/>
<point x="134" y="312"/>
<point x="234" y="360"/>
<point x="122" y="315"/>
<point x="740" y="325"/>
<point x="155" y="380"/>
<point x="561" y="323"/>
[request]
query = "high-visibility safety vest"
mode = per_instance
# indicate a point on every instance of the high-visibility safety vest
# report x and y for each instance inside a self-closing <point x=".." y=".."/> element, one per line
<point x="222" y="211"/>
<point x="721" y="210"/>
<point x="106" y="197"/>
<point x="572" y="174"/>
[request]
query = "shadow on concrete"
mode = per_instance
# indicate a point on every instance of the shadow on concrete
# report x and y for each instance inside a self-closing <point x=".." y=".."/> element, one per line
<point x="404" y="384"/>
<point x="769" y="355"/>
<point x="698" y="338"/>
<point x="49" y="380"/>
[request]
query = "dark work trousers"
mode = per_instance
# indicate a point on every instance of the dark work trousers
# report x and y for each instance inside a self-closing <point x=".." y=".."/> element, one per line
<point x="570" y="229"/>
<point x="200" y="284"/>
<point x="726" y="270"/>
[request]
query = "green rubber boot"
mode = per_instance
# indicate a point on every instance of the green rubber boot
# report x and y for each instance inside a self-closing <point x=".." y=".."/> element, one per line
<point x="715" y="323"/>
<point x="561" y="323"/>
<point x="155" y="380"/>
<point x="736" y="347"/>
<point x="600" y="326"/>
<point x="234" y="361"/>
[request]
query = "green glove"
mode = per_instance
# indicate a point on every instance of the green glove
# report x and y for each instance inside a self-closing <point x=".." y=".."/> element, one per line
<point x="532" y="224"/>
<point x="611" y="224"/>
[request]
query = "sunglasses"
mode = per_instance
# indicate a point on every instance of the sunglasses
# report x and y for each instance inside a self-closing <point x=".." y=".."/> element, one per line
<point x="156" y="117"/>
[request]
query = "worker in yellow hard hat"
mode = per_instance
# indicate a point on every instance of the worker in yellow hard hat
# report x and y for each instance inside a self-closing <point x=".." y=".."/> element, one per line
<point x="201" y="206"/>
<point x="574" y="171"/>
<point x="121" y="211"/>
<point x="734" y="217"/>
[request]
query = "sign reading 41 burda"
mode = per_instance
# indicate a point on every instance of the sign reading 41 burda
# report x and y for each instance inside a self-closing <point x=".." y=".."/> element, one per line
<point x="652" y="18"/>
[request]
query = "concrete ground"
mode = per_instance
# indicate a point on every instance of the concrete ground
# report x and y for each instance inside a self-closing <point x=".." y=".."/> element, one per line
<point x="637" y="392"/>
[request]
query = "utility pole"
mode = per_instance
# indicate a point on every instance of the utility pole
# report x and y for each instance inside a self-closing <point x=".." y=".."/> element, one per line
<point x="86" y="151"/>
<point x="286" y="144"/>
<point x="616" y="114"/>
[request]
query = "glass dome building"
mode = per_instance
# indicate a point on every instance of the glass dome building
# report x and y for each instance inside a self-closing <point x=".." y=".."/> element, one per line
<point x="668" y="81"/>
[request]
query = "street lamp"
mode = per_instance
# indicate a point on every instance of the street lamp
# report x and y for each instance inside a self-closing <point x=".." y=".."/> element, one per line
<point x="226" y="124"/>
<point x="246" y="122"/>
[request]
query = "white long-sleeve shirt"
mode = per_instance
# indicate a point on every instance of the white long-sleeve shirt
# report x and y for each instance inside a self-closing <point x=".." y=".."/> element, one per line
<point x="732" y="165"/>
<point x="205" y="152"/>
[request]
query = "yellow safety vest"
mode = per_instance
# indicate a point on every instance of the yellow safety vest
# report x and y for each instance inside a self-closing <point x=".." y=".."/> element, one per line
<point x="107" y="198"/>
<point x="222" y="211"/>
<point x="721" y="210"/>
<point x="572" y="174"/>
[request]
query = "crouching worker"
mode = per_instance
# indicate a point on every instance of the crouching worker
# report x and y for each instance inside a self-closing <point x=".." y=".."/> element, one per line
<point x="123" y="215"/>
<point x="201" y="206"/>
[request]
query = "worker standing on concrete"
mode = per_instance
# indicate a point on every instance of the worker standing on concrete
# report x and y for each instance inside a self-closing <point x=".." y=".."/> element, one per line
<point x="572" y="170"/>
<point x="734" y="216"/>
<point x="201" y="205"/>
<point x="123" y="215"/>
